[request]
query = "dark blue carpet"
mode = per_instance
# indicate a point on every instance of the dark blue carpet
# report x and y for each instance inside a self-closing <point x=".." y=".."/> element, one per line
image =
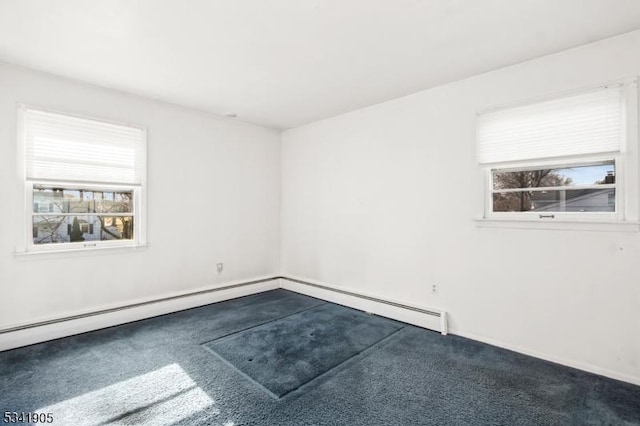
<point x="156" y="372"/>
<point x="286" y="354"/>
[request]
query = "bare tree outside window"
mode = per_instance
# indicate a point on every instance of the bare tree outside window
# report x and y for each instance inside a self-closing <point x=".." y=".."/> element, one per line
<point x="580" y="188"/>
<point x="522" y="201"/>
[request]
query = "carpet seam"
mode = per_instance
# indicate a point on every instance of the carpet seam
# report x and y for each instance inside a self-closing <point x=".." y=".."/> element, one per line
<point x="352" y="358"/>
<point x="263" y="323"/>
<point x="242" y="373"/>
<point x="358" y="355"/>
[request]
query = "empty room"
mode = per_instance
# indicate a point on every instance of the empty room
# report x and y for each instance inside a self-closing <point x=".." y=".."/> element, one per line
<point x="320" y="212"/>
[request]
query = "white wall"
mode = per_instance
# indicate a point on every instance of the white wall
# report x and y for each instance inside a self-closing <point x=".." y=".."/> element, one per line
<point x="381" y="200"/>
<point x="213" y="196"/>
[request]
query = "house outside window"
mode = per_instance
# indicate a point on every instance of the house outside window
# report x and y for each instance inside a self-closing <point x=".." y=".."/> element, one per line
<point x="570" y="158"/>
<point x="84" y="182"/>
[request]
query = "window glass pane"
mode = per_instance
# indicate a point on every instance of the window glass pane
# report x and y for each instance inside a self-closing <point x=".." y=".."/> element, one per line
<point x="595" y="174"/>
<point x="47" y="199"/>
<point x="562" y="200"/>
<point x="48" y="229"/>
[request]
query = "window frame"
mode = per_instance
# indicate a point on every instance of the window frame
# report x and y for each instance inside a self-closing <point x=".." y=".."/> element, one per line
<point x="616" y="215"/>
<point x="25" y="244"/>
<point x="31" y="247"/>
<point x="627" y="185"/>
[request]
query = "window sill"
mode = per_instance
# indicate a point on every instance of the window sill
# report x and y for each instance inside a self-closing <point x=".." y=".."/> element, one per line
<point x="566" y="225"/>
<point x="82" y="251"/>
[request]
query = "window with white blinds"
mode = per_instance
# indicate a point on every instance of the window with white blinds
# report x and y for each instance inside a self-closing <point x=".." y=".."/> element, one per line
<point x="68" y="148"/>
<point x="573" y="156"/>
<point x="84" y="181"/>
<point x="587" y="123"/>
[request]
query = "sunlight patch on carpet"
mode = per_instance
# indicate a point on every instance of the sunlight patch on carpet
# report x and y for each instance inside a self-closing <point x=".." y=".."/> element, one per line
<point x="161" y="397"/>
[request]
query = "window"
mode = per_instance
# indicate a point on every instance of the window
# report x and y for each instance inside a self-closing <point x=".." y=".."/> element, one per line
<point x="84" y="182"/>
<point x="571" y="158"/>
<point x="576" y="188"/>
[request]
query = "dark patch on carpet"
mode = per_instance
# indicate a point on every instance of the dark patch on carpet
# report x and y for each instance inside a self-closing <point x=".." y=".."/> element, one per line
<point x="283" y="355"/>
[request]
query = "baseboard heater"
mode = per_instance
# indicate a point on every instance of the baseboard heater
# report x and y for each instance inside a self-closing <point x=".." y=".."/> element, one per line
<point x="131" y="305"/>
<point x="39" y="331"/>
<point x="54" y="328"/>
<point x="431" y="318"/>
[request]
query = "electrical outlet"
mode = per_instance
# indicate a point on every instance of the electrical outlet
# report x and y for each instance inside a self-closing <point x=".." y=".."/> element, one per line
<point x="219" y="267"/>
<point x="434" y="288"/>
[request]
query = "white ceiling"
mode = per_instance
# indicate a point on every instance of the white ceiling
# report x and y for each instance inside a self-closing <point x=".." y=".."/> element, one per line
<point x="284" y="63"/>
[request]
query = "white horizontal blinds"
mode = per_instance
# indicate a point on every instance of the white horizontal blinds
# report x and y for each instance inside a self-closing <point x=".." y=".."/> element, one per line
<point x="587" y="123"/>
<point x="67" y="148"/>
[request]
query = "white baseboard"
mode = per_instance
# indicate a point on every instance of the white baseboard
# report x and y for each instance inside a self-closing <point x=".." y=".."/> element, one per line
<point x="81" y="322"/>
<point x="88" y="321"/>
<point x="431" y="318"/>
<point x="552" y="358"/>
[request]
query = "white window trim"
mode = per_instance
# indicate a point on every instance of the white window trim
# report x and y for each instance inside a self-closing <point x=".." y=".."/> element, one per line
<point x="24" y="237"/>
<point x="627" y="215"/>
<point x="565" y="225"/>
